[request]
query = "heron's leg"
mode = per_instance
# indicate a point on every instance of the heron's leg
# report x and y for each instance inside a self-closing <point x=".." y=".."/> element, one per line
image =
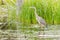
<point x="42" y="29"/>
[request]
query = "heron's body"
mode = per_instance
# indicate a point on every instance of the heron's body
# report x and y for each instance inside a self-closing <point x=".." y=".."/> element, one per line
<point x="40" y="20"/>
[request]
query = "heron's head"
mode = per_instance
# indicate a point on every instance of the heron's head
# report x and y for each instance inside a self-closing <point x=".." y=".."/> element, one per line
<point x="33" y="8"/>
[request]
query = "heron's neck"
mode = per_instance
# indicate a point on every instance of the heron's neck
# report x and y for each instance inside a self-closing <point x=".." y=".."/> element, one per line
<point x="36" y="14"/>
<point x="35" y="11"/>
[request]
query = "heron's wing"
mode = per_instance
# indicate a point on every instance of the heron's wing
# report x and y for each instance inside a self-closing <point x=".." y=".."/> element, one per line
<point x="41" y="20"/>
<point x="44" y="23"/>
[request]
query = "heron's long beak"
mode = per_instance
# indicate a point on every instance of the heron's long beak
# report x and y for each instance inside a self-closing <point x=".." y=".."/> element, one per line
<point x="32" y="7"/>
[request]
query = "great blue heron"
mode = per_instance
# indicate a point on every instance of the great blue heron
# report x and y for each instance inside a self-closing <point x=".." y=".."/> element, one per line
<point x="39" y="19"/>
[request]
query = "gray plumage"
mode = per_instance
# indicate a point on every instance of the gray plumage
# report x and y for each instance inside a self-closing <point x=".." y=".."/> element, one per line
<point x="39" y="19"/>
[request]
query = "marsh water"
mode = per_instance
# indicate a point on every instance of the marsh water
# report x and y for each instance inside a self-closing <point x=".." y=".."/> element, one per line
<point x="31" y="33"/>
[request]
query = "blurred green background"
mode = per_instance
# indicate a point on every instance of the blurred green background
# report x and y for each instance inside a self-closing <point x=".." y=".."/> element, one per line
<point x="47" y="9"/>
